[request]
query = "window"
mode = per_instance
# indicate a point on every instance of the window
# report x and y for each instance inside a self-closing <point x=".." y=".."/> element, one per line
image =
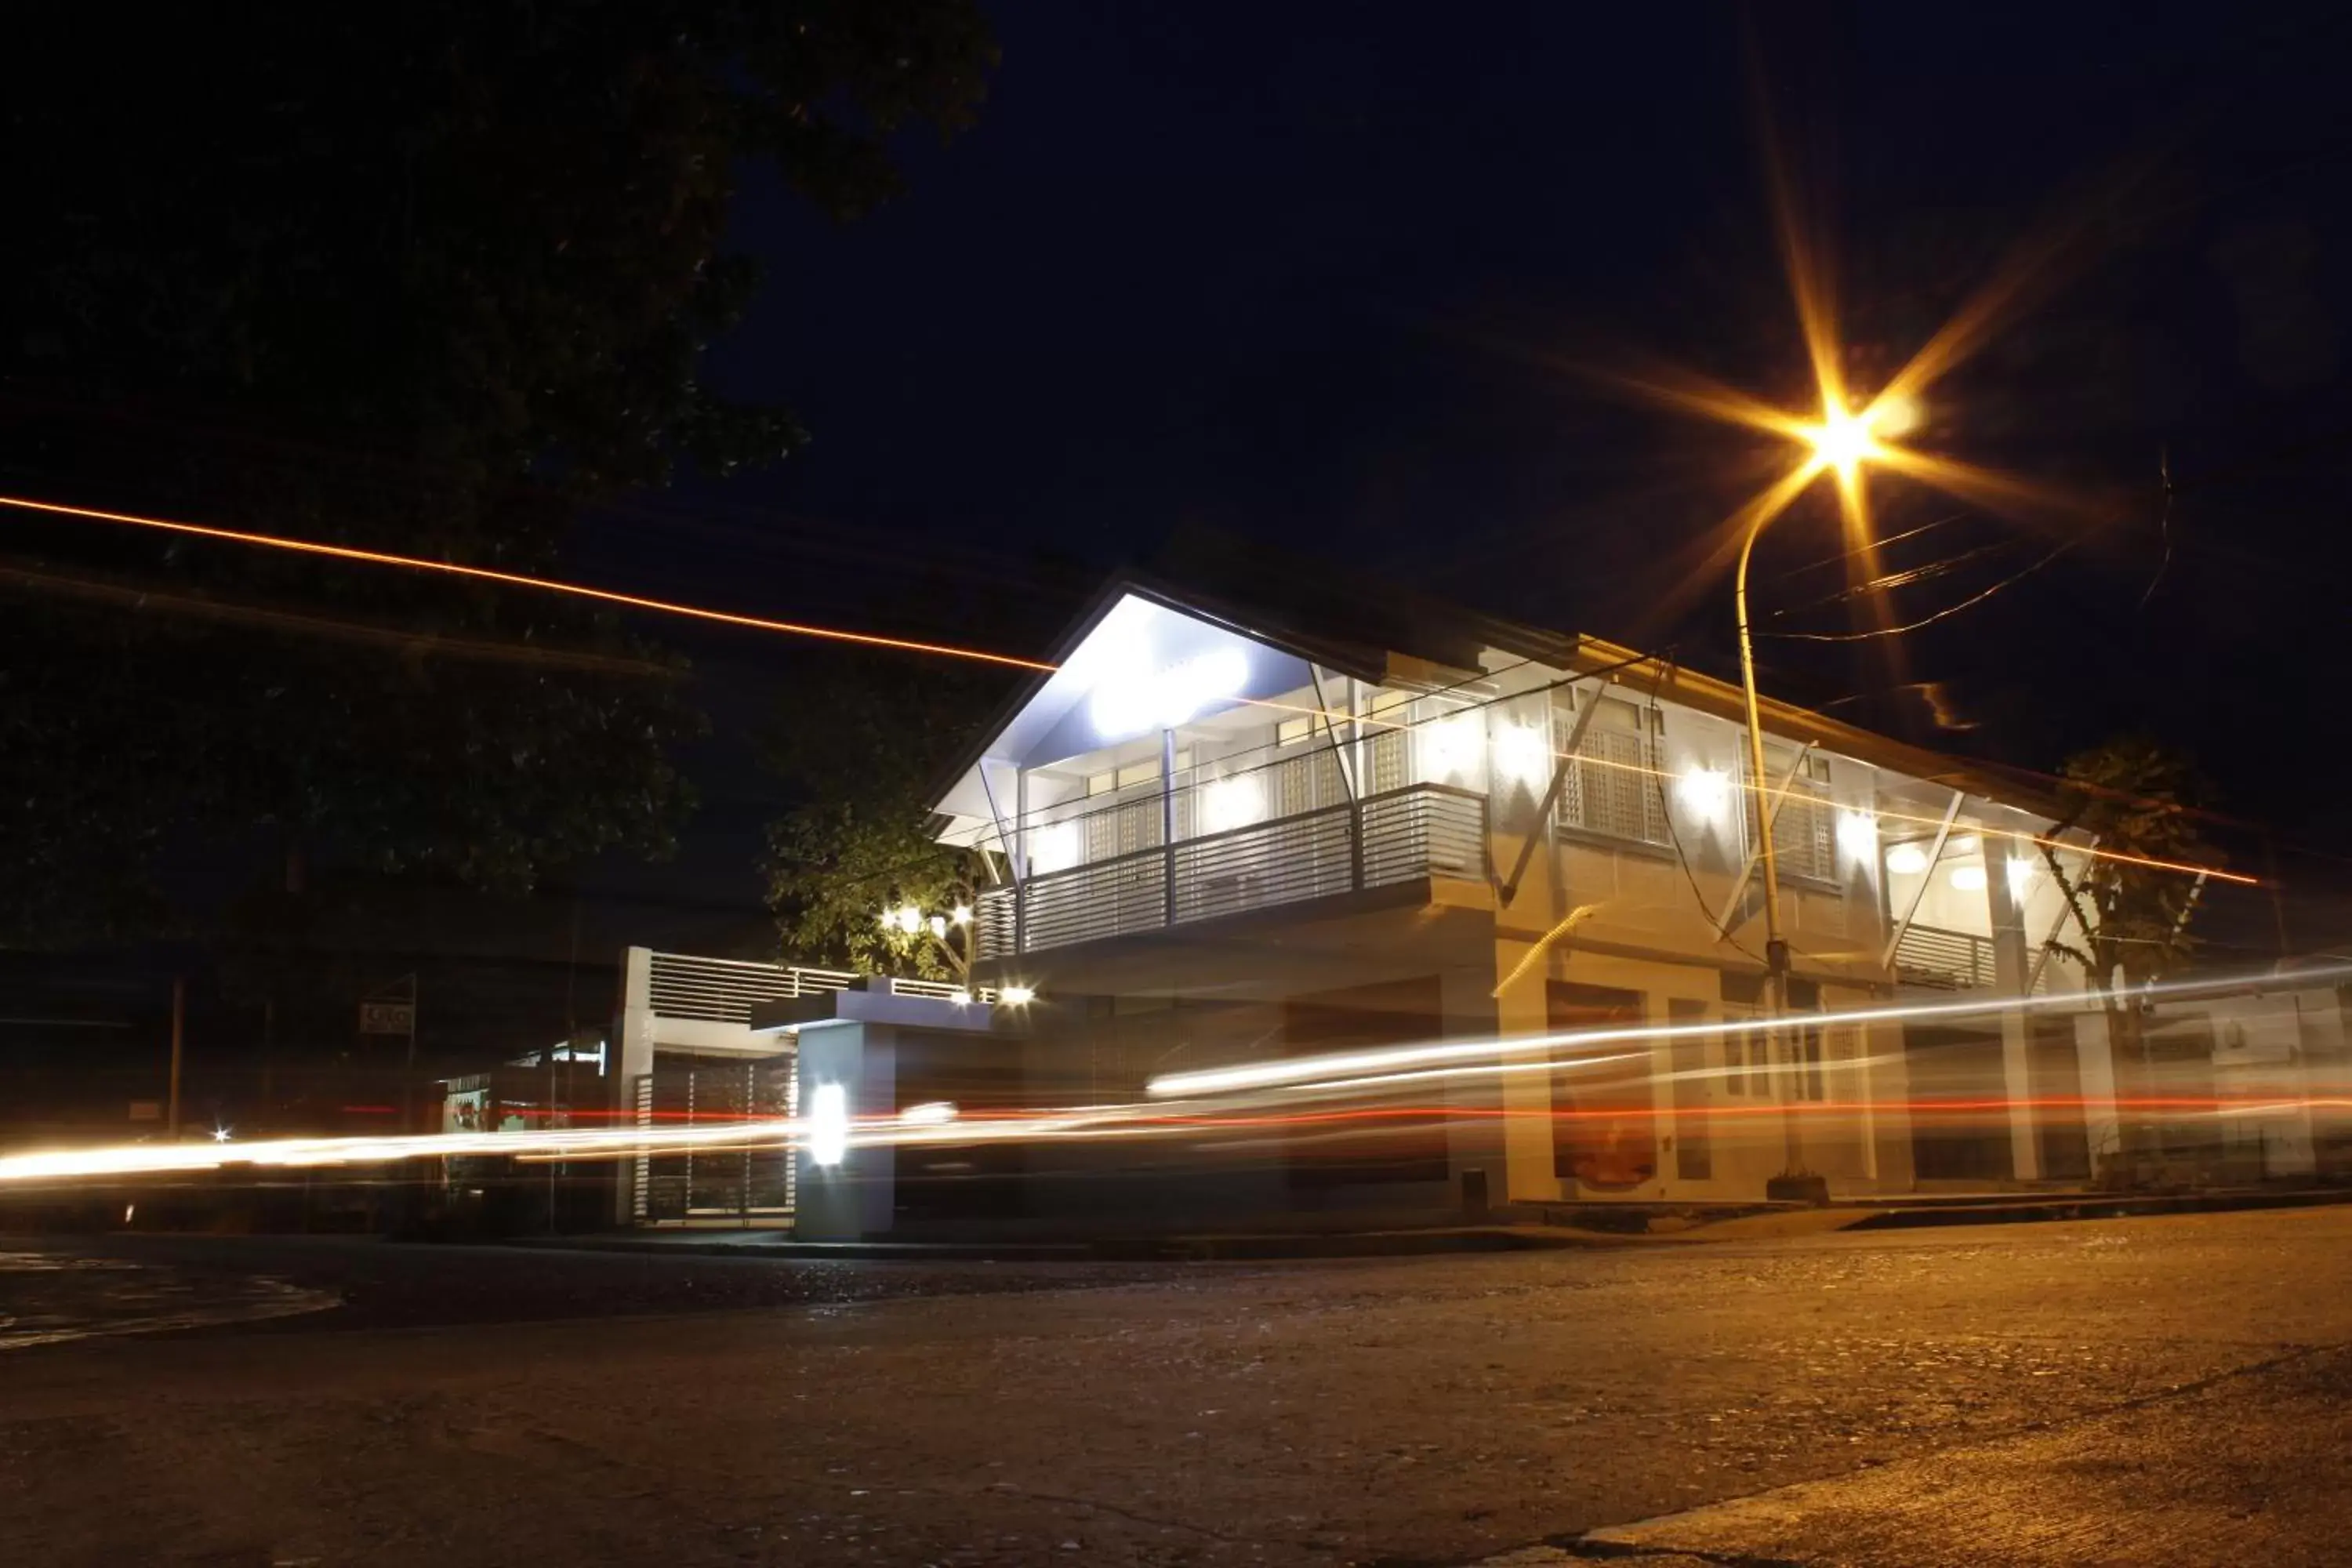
<point x="1613" y="787"/>
<point x="1805" y="1057"/>
<point x="1290" y="732"/>
<point x="1804" y="828"/>
<point x="1390" y="742"/>
<point x="1308" y="782"/>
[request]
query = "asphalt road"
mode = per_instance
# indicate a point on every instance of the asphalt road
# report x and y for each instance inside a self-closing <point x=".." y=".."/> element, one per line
<point x="2158" y="1391"/>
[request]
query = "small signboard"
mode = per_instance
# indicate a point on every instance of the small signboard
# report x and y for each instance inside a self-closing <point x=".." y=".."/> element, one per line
<point x="387" y="1017"/>
<point x="146" y="1111"/>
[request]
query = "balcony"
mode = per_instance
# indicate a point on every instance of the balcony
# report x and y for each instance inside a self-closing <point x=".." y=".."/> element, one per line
<point x="1943" y="960"/>
<point x="1397" y="836"/>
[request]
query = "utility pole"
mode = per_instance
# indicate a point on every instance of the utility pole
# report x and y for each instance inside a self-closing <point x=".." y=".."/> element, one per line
<point x="179" y="1030"/>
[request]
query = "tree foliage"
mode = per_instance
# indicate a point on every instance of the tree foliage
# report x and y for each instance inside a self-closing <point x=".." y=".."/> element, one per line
<point x="2135" y="799"/>
<point x="429" y="279"/>
<point x="858" y="748"/>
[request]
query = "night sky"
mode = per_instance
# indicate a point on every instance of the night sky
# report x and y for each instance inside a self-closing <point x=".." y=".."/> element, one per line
<point x="1346" y="279"/>
<point x="1337" y="277"/>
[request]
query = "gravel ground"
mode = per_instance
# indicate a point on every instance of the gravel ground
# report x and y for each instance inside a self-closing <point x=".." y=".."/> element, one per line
<point x="1432" y="1411"/>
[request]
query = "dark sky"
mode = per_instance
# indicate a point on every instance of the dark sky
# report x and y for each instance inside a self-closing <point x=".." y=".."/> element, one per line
<point x="1326" y="275"/>
<point x="1337" y="277"/>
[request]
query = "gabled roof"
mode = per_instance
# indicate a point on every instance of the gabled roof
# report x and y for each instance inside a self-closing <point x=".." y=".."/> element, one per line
<point x="1388" y="635"/>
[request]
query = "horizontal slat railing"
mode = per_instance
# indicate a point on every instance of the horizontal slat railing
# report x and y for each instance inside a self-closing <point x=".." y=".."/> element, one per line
<point x="1421" y="830"/>
<point x="724" y="990"/>
<point x="1943" y="960"/>
<point x="1266" y="864"/>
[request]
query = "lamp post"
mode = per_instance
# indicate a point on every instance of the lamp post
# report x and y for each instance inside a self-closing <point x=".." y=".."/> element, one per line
<point x="1841" y="441"/>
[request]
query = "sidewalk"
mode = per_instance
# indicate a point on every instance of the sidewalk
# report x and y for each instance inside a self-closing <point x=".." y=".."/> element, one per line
<point x="1598" y="1225"/>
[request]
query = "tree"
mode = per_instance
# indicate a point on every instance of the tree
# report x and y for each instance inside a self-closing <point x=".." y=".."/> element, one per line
<point x="858" y="748"/>
<point x="2136" y="800"/>
<point x="430" y="279"/>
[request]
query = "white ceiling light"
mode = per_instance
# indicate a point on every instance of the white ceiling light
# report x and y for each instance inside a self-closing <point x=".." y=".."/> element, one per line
<point x="1906" y="859"/>
<point x="1131" y="696"/>
<point x="1969" y="878"/>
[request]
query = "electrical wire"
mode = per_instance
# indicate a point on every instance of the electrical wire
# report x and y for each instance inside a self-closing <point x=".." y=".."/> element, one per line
<point x="1948" y="611"/>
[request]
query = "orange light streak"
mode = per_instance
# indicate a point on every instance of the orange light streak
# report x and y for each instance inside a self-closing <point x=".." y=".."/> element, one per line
<point x="1774" y="499"/>
<point x="518" y="580"/>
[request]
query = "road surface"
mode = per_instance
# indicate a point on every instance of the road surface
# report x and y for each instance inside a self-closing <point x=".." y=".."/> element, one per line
<point x="2168" y="1390"/>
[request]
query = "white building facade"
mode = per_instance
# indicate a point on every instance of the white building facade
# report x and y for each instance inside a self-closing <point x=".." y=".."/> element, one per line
<point x="1225" y="839"/>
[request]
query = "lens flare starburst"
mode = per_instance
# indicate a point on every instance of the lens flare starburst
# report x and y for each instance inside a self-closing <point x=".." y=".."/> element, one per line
<point x="1854" y="436"/>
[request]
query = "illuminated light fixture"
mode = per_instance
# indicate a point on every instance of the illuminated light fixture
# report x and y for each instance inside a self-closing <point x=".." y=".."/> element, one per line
<point x="1906" y="859"/>
<point x="2021" y="874"/>
<point x="930" y="1113"/>
<point x="907" y="919"/>
<point x="1857" y="834"/>
<point x="220" y="1134"/>
<point x="828" y="1125"/>
<point x="1841" y="440"/>
<point x="960" y="996"/>
<point x="1054" y="846"/>
<point x="938" y="924"/>
<point x="1016" y="995"/>
<point x="1964" y="845"/>
<point x="1233" y="802"/>
<point x="1454" y="745"/>
<point x="1130" y="699"/>
<point x="1522" y="752"/>
<point x="1704" y="792"/>
<point x="963" y="915"/>
<point x="1969" y="878"/>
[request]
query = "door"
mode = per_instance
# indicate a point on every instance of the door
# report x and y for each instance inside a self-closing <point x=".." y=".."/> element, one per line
<point x="1603" y="1119"/>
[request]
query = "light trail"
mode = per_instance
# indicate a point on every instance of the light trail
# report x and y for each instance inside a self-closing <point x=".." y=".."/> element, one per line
<point x="1774" y="499"/>
<point x="1213" y="1101"/>
<point x="1357" y="1069"/>
<point x="520" y="580"/>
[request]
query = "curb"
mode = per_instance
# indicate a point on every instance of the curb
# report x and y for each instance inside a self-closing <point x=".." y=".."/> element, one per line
<point x="2091" y="1205"/>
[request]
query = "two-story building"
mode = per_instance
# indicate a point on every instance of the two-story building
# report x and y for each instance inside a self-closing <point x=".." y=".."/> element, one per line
<point x="1246" y="825"/>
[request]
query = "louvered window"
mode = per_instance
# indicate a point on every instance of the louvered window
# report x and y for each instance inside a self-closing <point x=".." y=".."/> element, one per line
<point x="1613" y="785"/>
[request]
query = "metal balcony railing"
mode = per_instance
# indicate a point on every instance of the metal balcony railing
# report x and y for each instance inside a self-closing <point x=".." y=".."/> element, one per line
<point x="1422" y="830"/>
<point x="1943" y="960"/>
<point x="724" y="990"/>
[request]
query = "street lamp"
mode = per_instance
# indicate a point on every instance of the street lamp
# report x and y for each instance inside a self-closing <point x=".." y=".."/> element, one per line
<point x="1842" y="443"/>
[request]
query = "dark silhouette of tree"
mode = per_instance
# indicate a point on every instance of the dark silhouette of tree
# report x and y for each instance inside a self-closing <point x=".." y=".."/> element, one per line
<point x="2137" y="799"/>
<point x="428" y="279"/>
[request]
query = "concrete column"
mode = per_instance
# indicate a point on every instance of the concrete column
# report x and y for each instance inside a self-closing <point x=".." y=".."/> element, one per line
<point x="1522" y="1010"/>
<point x="2011" y="967"/>
<point x="1475" y="1142"/>
<point x="856" y="1198"/>
<point x="630" y="1057"/>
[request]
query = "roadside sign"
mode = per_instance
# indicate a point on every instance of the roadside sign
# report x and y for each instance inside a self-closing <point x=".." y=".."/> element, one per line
<point x="387" y="1017"/>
